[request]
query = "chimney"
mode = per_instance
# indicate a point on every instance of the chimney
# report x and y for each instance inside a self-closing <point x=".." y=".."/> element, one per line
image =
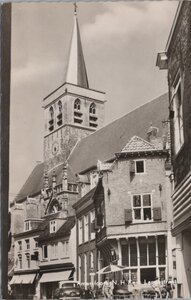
<point x="152" y="137"/>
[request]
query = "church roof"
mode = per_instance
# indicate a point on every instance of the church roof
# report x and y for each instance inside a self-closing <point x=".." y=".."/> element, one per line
<point x="104" y="143"/>
<point x="76" y="69"/>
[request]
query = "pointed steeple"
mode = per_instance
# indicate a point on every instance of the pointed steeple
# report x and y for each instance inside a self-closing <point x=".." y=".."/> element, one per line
<point x="76" y="70"/>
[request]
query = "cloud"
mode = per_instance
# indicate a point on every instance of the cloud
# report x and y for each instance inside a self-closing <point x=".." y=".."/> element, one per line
<point x="127" y="20"/>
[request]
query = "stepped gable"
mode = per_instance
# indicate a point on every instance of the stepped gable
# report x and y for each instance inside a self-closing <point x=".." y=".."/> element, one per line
<point x="137" y="144"/>
<point x="103" y="144"/>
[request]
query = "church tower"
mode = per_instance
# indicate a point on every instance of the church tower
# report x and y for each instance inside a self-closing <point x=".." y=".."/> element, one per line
<point x="73" y="110"/>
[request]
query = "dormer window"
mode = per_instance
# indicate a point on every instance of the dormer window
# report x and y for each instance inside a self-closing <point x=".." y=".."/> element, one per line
<point x="27" y="225"/>
<point x="92" y="115"/>
<point x="59" y="116"/>
<point x="77" y="112"/>
<point x="51" y="118"/>
<point x="52" y="226"/>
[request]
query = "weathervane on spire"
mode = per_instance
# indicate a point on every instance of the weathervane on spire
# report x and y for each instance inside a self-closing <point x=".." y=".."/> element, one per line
<point x="75" y="8"/>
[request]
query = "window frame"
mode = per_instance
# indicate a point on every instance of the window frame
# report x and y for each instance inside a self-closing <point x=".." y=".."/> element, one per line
<point x="142" y="208"/>
<point x="53" y="226"/>
<point x="27" y="241"/>
<point x="86" y="228"/>
<point x="80" y="231"/>
<point x="178" y="113"/>
<point x="43" y="252"/>
<point x="20" y="262"/>
<point x="27" y="226"/>
<point x="28" y="260"/>
<point x="144" y="166"/>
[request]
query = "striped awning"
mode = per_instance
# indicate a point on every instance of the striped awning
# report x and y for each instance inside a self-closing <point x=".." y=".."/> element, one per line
<point x="55" y="276"/>
<point x="22" y="279"/>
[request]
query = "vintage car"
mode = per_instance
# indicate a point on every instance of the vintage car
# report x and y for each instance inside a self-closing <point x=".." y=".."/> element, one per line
<point x="68" y="290"/>
<point x="121" y="291"/>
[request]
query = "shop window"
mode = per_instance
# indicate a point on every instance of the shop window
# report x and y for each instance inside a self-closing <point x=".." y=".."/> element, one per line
<point x="161" y="250"/>
<point x="125" y="255"/>
<point x="143" y="251"/>
<point x="133" y="253"/>
<point x="152" y="251"/>
<point x="142" y="207"/>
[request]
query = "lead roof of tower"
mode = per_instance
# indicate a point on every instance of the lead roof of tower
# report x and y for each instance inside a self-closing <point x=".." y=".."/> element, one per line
<point x="76" y="70"/>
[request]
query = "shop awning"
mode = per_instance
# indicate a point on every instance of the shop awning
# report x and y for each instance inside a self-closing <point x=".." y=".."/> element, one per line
<point x="55" y="276"/>
<point x="23" y="279"/>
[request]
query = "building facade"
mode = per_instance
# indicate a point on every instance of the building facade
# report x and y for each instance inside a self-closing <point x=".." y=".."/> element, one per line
<point x="177" y="60"/>
<point x="133" y="204"/>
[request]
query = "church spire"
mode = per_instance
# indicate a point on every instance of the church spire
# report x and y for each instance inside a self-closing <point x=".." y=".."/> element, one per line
<point x="76" y="70"/>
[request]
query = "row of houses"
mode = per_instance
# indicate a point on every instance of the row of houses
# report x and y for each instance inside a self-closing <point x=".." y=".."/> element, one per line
<point x="103" y="193"/>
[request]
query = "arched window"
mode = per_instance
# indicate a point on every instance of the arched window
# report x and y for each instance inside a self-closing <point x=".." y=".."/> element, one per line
<point x="77" y="113"/>
<point x="92" y="109"/>
<point x="59" y="116"/>
<point x="77" y="104"/>
<point x="51" y="118"/>
<point x="92" y="115"/>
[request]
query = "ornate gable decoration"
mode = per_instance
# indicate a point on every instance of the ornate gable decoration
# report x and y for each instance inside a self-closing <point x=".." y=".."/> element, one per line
<point x="137" y="144"/>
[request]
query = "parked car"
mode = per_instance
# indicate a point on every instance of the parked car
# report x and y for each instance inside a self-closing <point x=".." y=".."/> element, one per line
<point x="68" y="290"/>
<point x="121" y="291"/>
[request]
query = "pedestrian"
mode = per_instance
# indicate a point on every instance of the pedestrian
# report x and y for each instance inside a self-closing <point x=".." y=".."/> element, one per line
<point x="157" y="287"/>
<point x="169" y="289"/>
<point x="106" y="288"/>
<point x="111" y="287"/>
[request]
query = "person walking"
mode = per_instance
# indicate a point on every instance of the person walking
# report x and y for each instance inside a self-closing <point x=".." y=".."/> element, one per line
<point x="106" y="288"/>
<point x="111" y="287"/>
<point x="169" y="289"/>
<point x="157" y="287"/>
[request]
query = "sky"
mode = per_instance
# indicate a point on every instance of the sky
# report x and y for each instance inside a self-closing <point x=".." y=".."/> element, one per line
<point x="120" y="43"/>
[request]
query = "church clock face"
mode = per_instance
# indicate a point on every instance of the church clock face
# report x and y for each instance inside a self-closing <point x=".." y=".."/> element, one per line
<point x="55" y="148"/>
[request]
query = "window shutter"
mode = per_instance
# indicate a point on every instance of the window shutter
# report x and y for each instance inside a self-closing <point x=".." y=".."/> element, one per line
<point x="93" y="226"/>
<point x="100" y="220"/>
<point x="157" y="214"/>
<point x="132" y="167"/>
<point x="128" y="215"/>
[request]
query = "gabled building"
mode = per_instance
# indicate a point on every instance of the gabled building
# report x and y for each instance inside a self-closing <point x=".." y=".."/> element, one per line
<point x="133" y="211"/>
<point x="176" y="59"/>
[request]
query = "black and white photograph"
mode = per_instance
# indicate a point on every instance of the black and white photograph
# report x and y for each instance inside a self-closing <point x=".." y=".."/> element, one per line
<point x="96" y="137"/>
